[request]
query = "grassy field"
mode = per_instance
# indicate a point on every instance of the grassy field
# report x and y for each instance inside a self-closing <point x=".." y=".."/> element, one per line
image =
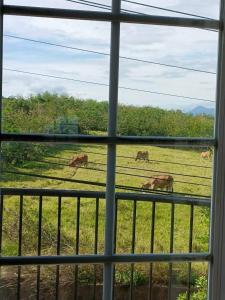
<point x="55" y="165"/>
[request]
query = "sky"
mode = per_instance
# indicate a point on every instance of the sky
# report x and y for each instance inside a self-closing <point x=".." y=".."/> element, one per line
<point x="191" y="48"/>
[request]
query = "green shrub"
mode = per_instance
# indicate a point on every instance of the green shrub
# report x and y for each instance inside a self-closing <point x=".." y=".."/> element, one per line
<point x="124" y="277"/>
<point x="200" y="294"/>
<point x="17" y="153"/>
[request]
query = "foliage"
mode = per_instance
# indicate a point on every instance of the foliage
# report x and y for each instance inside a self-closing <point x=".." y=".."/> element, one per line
<point x="37" y="114"/>
<point x="201" y="293"/>
<point x="124" y="277"/>
<point x="52" y="113"/>
<point x="18" y="153"/>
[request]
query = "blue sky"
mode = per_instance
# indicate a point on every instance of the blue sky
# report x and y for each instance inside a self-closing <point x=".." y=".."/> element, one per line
<point x="191" y="48"/>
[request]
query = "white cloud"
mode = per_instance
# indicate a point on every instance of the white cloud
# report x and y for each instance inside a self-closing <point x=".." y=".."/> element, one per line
<point x="180" y="46"/>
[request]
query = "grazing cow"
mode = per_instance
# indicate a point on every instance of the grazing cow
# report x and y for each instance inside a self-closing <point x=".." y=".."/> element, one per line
<point x="207" y="154"/>
<point x="159" y="182"/>
<point x="142" y="155"/>
<point x="78" y="161"/>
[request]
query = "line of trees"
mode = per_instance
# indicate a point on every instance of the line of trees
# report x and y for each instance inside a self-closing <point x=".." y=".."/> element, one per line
<point x="43" y="113"/>
<point x="52" y="113"/>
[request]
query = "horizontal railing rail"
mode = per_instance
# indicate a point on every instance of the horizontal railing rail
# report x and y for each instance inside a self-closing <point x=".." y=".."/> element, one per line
<point x="99" y="259"/>
<point x="120" y="196"/>
<point x="106" y="16"/>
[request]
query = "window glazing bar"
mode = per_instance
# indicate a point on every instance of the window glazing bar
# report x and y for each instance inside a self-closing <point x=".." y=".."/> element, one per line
<point x="106" y="16"/>
<point x="111" y="139"/>
<point x="111" y="154"/>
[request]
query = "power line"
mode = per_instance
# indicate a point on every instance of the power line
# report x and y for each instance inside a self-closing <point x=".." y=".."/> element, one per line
<point x="107" y="7"/>
<point x="104" y="84"/>
<point x="102" y="6"/>
<point x="107" y="54"/>
<point x="168" y="10"/>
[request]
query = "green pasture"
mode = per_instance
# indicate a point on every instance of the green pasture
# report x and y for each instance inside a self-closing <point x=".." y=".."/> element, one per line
<point x="60" y="156"/>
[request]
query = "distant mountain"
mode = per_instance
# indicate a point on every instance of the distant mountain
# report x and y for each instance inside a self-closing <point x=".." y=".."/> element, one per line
<point x="202" y="110"/>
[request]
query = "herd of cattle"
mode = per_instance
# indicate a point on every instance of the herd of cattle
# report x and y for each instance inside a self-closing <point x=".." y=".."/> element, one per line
<point x="155" y="182"/>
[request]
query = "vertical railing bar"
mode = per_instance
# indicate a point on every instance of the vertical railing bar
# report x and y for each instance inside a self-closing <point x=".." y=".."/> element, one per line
<point x="152" y="250"/>
<point x="96" y="243"/>
<point x="39" y="245"/>
<point x="77" y="247"/>
<point x="58" y="246"/>
<point x="133" y="246"/>
<point x="115" y="244"/>
<point x="111" y="153"/>
<point x="190" y="249"/>
<point x="20" y="245"/>
<point x="171" y="250"/>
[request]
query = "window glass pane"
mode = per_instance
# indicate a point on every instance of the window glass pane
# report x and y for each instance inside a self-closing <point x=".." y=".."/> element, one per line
<point x="56" y="88"/>
<point x="167" y="83"/>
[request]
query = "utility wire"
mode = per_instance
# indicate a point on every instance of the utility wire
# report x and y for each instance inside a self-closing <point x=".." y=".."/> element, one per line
<point x="104" y="84"/>
<point x="168" y="10"/>
<point x="107" y="7"/>
<point x="102" y="6"/>
<point x="107" y="54"/>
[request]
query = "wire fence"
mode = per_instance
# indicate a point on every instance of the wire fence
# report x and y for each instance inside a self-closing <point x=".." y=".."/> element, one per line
<point x="101" y="184"/>
<point x="133" y="168"/>
<point x="150" y="160"/>
<point x="128" y="174"/>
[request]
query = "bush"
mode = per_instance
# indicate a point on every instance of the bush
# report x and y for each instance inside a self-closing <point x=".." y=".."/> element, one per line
<point x="124" y="277"/>
<point x="200" y="294"/>
<point x="18" y="153"/>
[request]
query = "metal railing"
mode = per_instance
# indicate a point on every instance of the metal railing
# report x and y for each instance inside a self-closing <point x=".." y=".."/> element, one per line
<point x="8" y="194"/>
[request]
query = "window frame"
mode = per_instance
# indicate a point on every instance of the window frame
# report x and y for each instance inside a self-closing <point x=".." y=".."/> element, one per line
<point x="215" y="256"/>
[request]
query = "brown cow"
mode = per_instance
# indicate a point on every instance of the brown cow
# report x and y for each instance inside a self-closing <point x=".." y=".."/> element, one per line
<point x="207" y="154"/>
<point x="78" y="161"/>
<point x="159" y="182"/>
<point x="142" y="155"/>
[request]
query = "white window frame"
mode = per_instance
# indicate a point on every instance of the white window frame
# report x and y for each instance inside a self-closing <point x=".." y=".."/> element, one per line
<point x="216" y="255"/>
